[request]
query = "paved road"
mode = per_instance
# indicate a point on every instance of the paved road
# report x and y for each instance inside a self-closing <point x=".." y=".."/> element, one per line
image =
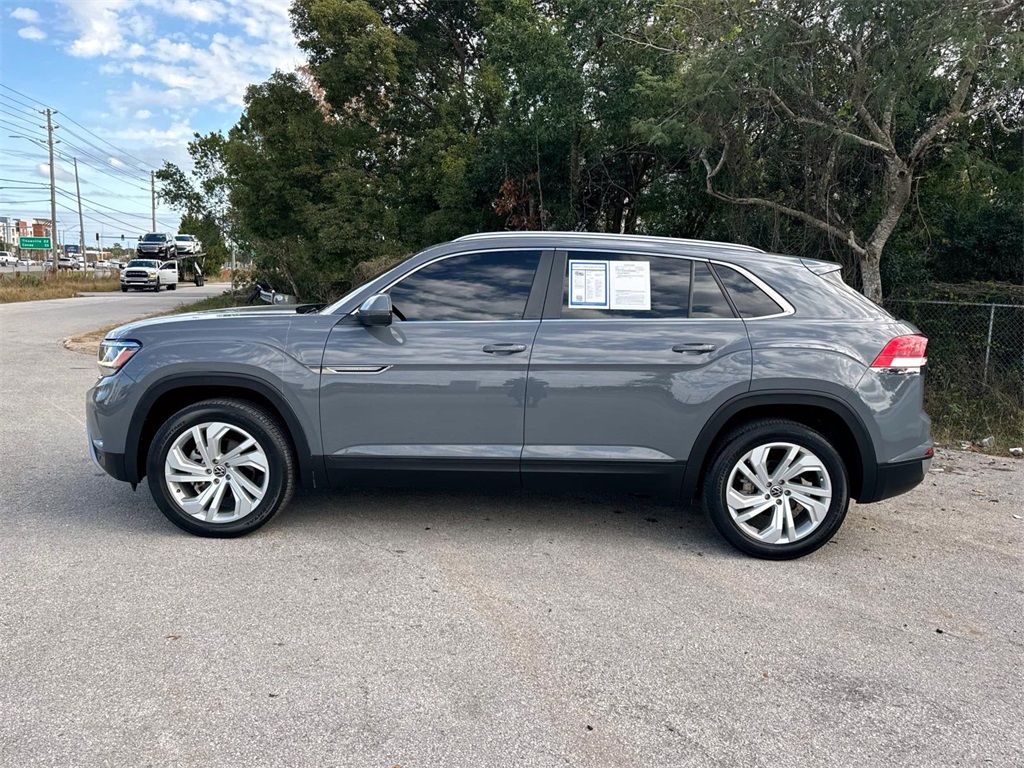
<point x="415" y="629"/>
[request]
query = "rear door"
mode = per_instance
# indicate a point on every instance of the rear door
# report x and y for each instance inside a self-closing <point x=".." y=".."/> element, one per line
<point x="634" y="354"/>
<point x="439" y="394"/>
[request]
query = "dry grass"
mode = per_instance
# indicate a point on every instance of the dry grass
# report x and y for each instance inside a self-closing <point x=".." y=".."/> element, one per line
<point x="64" y="285"/>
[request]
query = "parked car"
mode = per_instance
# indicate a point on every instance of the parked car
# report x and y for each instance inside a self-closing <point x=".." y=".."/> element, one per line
<point x="7" y="259"/>
<point x="25" y="262"/>
<point x="156" y="245"/>
<point x="761" y="384"/>
<point x="188" y="245"/>
<point x="141" y="274"/>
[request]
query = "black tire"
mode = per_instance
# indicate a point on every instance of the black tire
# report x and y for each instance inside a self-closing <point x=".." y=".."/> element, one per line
<point x="124" y="289"/>
<point x="271" y="438"/>
<point x="156" y="289"/>
<point x="734" y="447"/>
<point x="172" y="287"/>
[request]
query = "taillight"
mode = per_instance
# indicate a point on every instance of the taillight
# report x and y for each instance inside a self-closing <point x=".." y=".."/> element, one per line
<point x="903" y="352"/>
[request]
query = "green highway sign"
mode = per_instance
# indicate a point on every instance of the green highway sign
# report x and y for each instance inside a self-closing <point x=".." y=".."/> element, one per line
<point x="34" y="243"/>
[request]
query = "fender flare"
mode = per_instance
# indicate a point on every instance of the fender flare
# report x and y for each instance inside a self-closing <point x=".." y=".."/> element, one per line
<point x="311" y="473"/>
<point x="705" y="441"/>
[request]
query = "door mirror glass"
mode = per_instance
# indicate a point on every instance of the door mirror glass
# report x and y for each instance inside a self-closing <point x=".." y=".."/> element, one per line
<point x="376" y="310"/>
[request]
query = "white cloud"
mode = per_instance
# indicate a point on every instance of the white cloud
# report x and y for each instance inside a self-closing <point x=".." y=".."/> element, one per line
<point x="59" y="173"/>
<point x="166" y="63"/>
<point x="27" y="15"/>
<point x="32" y="33"/>
<point x="195" y="10"/>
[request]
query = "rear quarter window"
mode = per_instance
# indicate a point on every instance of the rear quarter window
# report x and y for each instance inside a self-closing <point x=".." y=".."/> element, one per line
<point x="749" y="300"/>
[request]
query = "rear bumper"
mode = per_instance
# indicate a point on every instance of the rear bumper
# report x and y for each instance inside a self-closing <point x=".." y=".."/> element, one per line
<point x="895" y="479"/>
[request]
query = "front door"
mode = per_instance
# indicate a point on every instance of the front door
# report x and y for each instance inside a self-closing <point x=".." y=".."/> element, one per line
<point x="439" y="394"/>
<point x="629" y="363"/>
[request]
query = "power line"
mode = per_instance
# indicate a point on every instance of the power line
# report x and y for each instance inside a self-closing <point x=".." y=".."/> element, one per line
<point x="30" y="125"/>
<point x="67" y="118"/>
<point x="23" y="95"/>
<point x="100" y="138"/>
<point x="105" y="220"/>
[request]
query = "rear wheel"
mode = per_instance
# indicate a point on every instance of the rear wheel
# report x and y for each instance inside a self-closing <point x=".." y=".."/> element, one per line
<point x="777" y="489"/>
<point x="172" y="287"/>
<point x="221" y="468"/>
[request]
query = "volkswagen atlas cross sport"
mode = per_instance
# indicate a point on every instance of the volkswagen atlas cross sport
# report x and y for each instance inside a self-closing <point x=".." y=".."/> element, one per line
<point x="761" y="384"/>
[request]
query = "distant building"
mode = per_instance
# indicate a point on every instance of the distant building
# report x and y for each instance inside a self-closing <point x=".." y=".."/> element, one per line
<point x="8" y="230"/>
<point x="40" y="228"/>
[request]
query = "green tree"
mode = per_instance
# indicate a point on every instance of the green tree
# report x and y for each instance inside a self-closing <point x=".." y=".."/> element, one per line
<point x="828" y="113"/>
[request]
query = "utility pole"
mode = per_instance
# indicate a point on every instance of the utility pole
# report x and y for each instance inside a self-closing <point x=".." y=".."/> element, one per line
<point x="152" y="194"/>
<point x="53" y="191"/>
<point x="81" y="224"/>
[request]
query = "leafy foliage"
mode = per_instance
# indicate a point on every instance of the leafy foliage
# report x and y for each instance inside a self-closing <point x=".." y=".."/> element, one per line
<point x="415" y="122"/>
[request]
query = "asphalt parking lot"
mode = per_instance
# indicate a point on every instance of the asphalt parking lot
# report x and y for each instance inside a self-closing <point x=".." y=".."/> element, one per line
<point x="418" y="629"/>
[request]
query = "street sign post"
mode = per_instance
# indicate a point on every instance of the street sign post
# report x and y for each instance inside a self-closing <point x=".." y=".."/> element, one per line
<point x="34" y="243"/>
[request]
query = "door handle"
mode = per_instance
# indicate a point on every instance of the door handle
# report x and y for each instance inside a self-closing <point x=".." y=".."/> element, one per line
<point x="694" y="348"/>
<point x="504" y="348"/>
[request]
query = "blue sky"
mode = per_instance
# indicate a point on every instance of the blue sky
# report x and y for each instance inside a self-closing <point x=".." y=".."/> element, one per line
<point x="132" y="80"/>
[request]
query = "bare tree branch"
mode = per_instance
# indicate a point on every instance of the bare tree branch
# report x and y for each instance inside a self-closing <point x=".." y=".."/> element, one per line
<point x="953" y="111"/>
<point x="847" y="237"/>
<point x="838" y="131"/>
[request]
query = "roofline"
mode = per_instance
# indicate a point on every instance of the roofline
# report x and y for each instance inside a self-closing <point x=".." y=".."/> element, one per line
<point x="607" y="236"/>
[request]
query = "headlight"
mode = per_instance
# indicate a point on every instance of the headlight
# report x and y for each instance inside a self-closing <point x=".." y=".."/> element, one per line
<point x="152" y="272"/>
<point x="114" y="354"/>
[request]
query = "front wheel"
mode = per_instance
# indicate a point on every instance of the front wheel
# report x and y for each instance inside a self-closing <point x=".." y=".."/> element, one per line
<point x="221" y="468"/>
<point x="124" y="289"/>
<point x="777" y="489"/>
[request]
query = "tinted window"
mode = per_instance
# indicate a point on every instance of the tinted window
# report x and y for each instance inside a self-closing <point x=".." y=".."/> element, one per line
<point x="670" y="288"/>
<point x="154" y="238"/>
<point x="473" y="286"/>
<point x="708" y="300"/>
<point x="749" y="300"/>
<point x="142" y="263"/>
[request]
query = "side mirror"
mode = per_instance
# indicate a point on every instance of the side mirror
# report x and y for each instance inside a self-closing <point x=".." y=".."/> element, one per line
<point x="376" y="310"/>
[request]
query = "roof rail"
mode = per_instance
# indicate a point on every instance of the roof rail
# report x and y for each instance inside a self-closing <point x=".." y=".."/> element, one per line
<point x="610" y="236"/>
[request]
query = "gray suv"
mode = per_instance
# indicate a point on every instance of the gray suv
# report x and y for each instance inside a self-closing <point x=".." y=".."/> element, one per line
<point x="548" y="361"/>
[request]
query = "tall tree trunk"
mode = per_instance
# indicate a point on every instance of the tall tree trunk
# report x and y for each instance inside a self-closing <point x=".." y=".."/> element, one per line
<point x="574" y="181"/>
<point x="870" y="274"/>
<point x="899" y="180"/>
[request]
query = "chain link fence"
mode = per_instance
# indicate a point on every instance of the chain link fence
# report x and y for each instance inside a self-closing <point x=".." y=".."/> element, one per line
<point x="975" y="384"/>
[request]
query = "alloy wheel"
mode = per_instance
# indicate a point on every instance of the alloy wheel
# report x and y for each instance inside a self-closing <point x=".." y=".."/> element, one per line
<point x="216" y="472"/>
<point x="778" y="493"/>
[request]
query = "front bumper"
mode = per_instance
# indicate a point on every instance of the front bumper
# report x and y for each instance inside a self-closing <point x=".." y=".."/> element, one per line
<point x="107" y="416"/>
<point x="138" y="281"/>
<point x="111" y="463"/>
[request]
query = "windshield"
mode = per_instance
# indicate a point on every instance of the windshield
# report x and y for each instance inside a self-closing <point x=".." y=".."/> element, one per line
<point x="154" y="237"/>
<point x="143" y="263"/>
<point x="183" y="237"/>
